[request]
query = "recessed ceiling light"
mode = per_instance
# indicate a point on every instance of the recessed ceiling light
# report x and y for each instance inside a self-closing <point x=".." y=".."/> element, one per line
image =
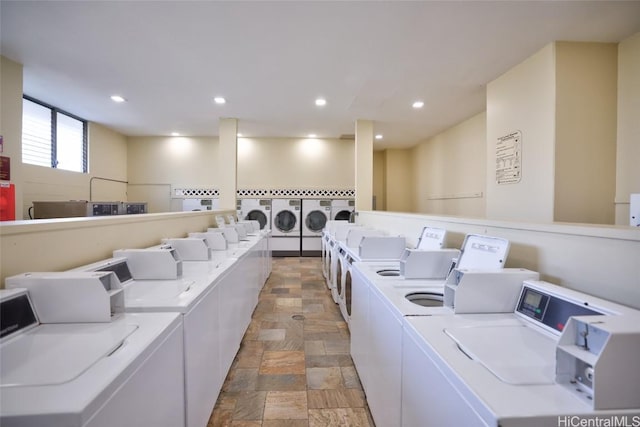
<point x="312" y="135"/>
<point x="379" y="136"/>
<point x="418" y="104"/>
<point x="219" y="100"/>
<point x="175" y="134"/>
<point x="321" y="102"/>
<point x="117" y="98"/>
<point x="239" y="134"/>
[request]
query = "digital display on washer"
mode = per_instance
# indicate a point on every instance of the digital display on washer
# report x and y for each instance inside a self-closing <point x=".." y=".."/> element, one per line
<point x="549" y="310"/>
<point x="533" y="303"/>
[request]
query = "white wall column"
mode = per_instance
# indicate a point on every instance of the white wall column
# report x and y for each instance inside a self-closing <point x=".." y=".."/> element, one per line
<point x="228" y="162"/>
<point x="364" y="165"/>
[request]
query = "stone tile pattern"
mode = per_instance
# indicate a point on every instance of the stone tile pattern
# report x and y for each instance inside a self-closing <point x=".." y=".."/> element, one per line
<point x="292" y="371"/>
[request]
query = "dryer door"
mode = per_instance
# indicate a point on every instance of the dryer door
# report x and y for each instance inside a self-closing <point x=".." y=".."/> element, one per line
<point x="285" y="221"/>
<point x="315" y="221"/>
<point x="257" y="215"/>
<point x="343" y="215"/>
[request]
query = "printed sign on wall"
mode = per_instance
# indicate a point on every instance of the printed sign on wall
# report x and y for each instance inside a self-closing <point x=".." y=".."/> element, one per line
<point x="509" y="158"/>
<point x="5" y="168"/>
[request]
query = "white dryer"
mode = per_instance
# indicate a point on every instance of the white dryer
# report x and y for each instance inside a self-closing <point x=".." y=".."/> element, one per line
<point x="315" y="214"/>
<point x="341" y="209"/>
<point x="123" y="371"/>
<point x="286" y="228"/>
<point x="256" y="210"/>
<point x="201" y="204"/>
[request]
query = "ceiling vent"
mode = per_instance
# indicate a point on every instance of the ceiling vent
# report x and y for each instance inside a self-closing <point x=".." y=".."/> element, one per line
<point x="347" y="136"/>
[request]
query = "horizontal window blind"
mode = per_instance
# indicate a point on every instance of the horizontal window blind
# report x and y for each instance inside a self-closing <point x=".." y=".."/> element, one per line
<point x="69" y="143"/>
<point x="36" y="134"/>
<point x="52" y="137"/>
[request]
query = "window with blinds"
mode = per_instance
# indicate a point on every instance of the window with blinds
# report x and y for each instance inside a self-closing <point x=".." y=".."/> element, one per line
<point x="53" y="138"/>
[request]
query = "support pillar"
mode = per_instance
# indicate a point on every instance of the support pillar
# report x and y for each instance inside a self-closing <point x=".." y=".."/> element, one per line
<point x="364" y="165"/>
<point x="228" y="163"/>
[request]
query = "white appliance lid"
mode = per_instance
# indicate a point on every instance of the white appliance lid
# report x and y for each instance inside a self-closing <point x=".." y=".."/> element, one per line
<point x="156" y="289"/>
<point x="58" y="353"/>
<point x="515" y="354"/>
<point x="483" y="252"/>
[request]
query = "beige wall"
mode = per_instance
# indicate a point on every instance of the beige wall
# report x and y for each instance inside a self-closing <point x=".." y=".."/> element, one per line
<point x="449" y="170"/>
<point x="601" y="261"/>
<point x="379" y="179"/>
<point x="11" y="123"/>
<point x="293" y="163"/>
<point x="523" y="99"/>
<point x="107" y="159"/>
<point x="399" y="181"/>
<point x="156" y="164"/>
<point x="61" y="244"/>
<point x="628" y="143"/>
<point x="585" y="142"/>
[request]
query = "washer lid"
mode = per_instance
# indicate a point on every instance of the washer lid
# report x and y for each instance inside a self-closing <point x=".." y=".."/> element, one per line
<point x="516" y="354"/>
<point x="146" y="290"/>
<point x="58" y="353"/>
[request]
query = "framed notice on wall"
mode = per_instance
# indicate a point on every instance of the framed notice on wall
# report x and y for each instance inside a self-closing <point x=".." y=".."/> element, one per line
<point x="509" y="158"/>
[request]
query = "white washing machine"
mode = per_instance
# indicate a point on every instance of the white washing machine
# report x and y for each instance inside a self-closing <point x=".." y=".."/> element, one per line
<point x="195" y="296"/>
<point x="123" y="371"/>
<point x="543" y="364"/>
<point x="378" y="309"/>
<point x="327" y="244"/>
<point x="257" y="210"/>
<point x="341" y="209"/>
<point x="315" y="214"/>
<point x="286" y="227"/>
<point x="343" y="266"/>
<point x="335" y="269"/>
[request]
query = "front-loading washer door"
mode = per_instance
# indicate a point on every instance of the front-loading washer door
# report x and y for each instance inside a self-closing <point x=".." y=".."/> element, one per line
<point x="285" y="221"/>
<point x="257" y="215"/>
<point x="315" y="221"/>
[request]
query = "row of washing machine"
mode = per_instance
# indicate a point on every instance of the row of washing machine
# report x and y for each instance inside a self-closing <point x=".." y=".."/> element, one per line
<point x="145" y="338"/>
<point x="296" y="224"/>
<point x="451" y="337"/>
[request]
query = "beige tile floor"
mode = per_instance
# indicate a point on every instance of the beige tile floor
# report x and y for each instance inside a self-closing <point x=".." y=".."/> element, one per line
<point x="293" y="372"/>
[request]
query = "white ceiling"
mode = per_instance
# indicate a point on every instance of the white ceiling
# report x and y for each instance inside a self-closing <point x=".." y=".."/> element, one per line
<point x="270" y="60"/>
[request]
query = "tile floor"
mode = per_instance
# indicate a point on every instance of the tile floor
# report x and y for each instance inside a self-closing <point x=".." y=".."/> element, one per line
<point x="293" y="368"/>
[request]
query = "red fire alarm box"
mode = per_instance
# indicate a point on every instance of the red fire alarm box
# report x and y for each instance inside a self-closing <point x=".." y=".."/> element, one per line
<point x="7" y="202"/>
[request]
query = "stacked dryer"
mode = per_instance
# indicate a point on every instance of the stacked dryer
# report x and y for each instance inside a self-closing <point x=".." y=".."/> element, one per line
<point x="285" y="233"/>
<point x="315" y="214"/>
